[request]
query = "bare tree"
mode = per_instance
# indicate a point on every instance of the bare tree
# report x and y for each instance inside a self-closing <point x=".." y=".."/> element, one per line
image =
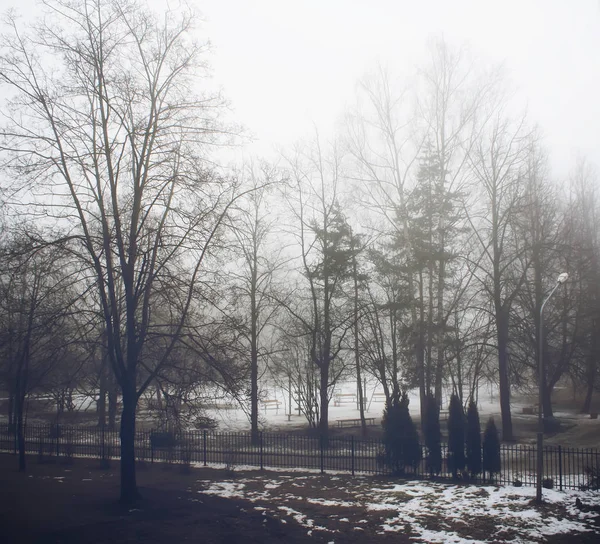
<point x="324" y="239"/>
<point x="252" y="228"/>
<point x="34" y="334"/>
<point x="496" y="162"/>
<point x="109" y="133"/>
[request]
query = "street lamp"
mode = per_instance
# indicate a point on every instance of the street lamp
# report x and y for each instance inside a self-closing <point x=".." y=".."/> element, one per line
<point x="540" y="435"/>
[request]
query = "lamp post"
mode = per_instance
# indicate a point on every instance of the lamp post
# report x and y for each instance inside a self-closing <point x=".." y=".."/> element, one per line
<point x="540" y="434"/>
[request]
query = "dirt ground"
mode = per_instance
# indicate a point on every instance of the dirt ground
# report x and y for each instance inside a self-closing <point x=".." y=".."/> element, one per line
<point x="77" y="503"/>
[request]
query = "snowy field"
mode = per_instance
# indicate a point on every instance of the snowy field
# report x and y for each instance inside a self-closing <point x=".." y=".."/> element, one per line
<point x="277" y="416"/>
<point x="428" y="511"/>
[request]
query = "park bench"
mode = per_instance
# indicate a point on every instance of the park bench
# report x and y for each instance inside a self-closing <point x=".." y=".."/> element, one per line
<point x="339" y="398"/>
<point x="271" y="403"/>
<point x="354" y="422"/>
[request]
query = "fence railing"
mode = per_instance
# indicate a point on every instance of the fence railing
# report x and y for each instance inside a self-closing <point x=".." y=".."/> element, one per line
<point x="564" y="468"/>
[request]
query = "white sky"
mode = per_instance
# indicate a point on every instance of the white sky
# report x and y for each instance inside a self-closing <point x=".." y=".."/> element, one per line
<point x="288" y="64"/>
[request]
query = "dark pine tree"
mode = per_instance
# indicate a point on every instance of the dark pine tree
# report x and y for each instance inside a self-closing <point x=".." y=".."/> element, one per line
<point x="401" y="440"/>
<point x="491" y="449"/>
<point x="473" y="439"/>
<point x="456" y="436"/>
<point x="433" y="435"/>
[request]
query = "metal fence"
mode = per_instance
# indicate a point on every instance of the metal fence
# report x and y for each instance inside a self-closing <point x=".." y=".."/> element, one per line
<point x="564" y="468"/>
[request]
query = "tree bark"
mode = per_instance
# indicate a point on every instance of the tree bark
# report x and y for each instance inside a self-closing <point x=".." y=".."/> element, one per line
<point x="129" y="491"/>
<point x="20" y="433"/>
<point x="101" y="404"/>
<point x="502" y="337"/>
<point x="254" y="352"/>
<point x="324" y="403"/>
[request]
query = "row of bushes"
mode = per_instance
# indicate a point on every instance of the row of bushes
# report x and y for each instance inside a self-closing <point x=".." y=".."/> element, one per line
<point x="468" y="455"/>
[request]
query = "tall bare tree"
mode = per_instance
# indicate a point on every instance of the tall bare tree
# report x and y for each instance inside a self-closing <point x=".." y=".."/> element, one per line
<point x="109" y="133"/>
<point x="497" y="161"/>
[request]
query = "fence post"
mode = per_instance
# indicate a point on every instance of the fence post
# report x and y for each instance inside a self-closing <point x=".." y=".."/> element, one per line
<point x="260" y="434"/>
<point x="151" y="447"/>
<point x="321" y="444"/>
<point x="204" y="445"/>
<point x="352" y="442"/>
<point x="103" y="445"/>
<point x="560" y="483"/>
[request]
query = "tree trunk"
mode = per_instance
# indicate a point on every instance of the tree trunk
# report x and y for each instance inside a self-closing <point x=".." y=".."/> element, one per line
<point x="11" y="412"/>
<point x="20" y="433"/>
<point x="112" y="403"/>
<point x="590" y="373"/>
<point x="547" y="400"/>
<point x="359" y="386"/>
<point x="254" y="355"/>
<point x="502" y="336"/>
<point x="324" y="403"/>
<point x="587" y="402"/>
<point x="101" y="404"/>
<point x="129" y="491"/>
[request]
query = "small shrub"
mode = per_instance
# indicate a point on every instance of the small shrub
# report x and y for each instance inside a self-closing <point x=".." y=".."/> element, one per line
<point x="548" y="483"/>
<point x="473" y="439"/>
<point x="518" y="483"/>
<point x="433" y="438"/>
<point x="491" y="449"/>
<point x="400" y="436"/>
<point x="456" y="436"/>
<point x="593" y="478"/>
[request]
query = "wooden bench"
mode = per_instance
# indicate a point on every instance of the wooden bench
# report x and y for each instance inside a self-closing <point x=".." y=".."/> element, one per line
<point x="341" y="397"/>
<point x="379" y="397"/>
<point x="443" y="415"/>
<point x="355" y="422"/>
<point x="271" y="403"/>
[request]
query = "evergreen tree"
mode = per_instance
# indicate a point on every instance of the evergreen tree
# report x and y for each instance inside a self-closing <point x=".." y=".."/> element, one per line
<point x="491" y="449"/>
<point x="401" y="440"/>
<point x="456" y="436"/>
<point x="433" y="438"/>
<point x="473" y="439"/>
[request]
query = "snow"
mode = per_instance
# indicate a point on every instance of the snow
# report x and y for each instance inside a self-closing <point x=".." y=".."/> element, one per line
<point x="433" y="512"/>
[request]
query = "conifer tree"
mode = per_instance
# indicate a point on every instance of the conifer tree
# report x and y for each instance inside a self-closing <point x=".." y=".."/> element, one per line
<point x="456" y="436"/>
<point x="491" y="449"/>
<point x="401" y="440"/>
<point x="473" y="439"/>
<point x="433" y="438"/>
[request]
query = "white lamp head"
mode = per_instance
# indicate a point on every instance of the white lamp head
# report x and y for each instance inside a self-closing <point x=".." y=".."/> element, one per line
<point x="562" y="278"/>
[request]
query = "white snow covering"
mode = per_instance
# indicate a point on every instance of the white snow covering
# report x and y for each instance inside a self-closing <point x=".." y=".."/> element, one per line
<point x="429" y="511"/>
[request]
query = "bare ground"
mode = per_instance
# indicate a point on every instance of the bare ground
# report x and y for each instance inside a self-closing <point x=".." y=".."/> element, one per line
<point x="76" y="503"/>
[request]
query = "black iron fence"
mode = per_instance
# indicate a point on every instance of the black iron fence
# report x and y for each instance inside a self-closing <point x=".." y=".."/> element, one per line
<point x="564" y="468"/>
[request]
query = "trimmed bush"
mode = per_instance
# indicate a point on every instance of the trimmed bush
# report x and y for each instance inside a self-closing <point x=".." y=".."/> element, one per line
<point x="400" y="437"/>
<point x="433" y="437"/>
<point x="491" y="449"/>
<point x="473" y="440"/>
<point x="456" y="436"/>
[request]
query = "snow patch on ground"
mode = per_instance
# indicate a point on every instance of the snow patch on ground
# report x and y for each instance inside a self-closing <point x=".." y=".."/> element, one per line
<point x="429" y="511"/>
